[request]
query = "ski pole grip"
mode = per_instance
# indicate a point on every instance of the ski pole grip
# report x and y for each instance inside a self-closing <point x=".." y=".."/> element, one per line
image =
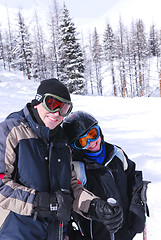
<point x="144" y="191"/>
<point x="112" y="202"/>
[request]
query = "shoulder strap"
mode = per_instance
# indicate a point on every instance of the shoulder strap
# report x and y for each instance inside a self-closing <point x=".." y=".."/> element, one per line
<point x="120" y="154"/>
<point x="79" y="168"/>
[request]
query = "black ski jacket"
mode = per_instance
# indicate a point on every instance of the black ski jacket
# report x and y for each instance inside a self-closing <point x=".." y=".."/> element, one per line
<point x="30" y="162"/>
<point x="116" y="178"/>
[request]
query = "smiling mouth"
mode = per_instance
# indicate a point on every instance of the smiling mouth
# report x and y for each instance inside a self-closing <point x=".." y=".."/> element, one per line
<point x="53" y="119"/>
<point x="93" y="146"/>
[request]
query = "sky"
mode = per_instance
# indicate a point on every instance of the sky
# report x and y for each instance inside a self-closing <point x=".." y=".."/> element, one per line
<point x="88" y="14"/>
<point x="77" y="8"/>
<point x="133" y="124"/>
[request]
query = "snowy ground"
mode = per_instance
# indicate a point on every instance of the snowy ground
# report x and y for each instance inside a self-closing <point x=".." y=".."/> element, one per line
<point x="133" y="124"/>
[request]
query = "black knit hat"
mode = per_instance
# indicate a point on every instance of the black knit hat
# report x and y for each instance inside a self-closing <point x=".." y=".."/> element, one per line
<point x="52" y="86"/>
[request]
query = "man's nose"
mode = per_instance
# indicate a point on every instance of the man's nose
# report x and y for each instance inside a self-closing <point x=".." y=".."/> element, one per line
<point x="56" y="113"/>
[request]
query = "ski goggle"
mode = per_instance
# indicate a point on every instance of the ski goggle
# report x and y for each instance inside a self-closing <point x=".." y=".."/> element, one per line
<point x="53" y="103"/>
<point x="90" y="136"/>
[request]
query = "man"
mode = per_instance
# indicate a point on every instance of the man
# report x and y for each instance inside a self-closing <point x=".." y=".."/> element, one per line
<point x="105" y="170"/>
<point x="35" y="170"/>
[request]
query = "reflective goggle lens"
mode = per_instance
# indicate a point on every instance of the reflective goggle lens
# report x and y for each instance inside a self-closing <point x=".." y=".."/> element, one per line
<point x="53" y="103"/>
<point x="92" y="135"/>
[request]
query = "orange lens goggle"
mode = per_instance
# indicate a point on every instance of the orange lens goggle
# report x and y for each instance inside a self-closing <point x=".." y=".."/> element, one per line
<point x="92" y="135"/>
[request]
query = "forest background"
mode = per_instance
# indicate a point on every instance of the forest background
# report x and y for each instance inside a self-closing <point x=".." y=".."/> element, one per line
<point x="32" y="44"/>
<point x="122" y="61"/>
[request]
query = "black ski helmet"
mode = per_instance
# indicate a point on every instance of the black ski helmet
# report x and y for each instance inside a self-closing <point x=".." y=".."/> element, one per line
<point x="77" y="123"/>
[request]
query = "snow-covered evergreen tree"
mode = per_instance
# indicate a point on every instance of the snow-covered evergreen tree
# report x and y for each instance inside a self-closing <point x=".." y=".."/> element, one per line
<point x="71" y="67"/>
<point x="109" y="53"/>
<point x="53" y="23"/>
<point x="153" y="40"/>
<point x="142" y="53"/>
<point x="97" y="54"/>
<point x="88" y="62"/>
<point x="2" y="55"/>
<point x="121" y="55"/>
<point x="39" y="66"/>
<point x="23" y="50"/>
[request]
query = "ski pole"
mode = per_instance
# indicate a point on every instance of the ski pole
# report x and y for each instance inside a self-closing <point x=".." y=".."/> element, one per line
<point x="144" y="199"/>
<point x="112" y="236"/>
<point x="60" y="225"/>
<point x="112" y="203"/>
<point x="61" y="230"/>
<point x="61" y="222"/>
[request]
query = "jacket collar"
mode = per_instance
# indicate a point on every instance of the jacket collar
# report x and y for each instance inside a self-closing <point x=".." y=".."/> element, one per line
<point x="57" y="134"/>
<point x="81" y="156"/>
<point x="41" y="131"/>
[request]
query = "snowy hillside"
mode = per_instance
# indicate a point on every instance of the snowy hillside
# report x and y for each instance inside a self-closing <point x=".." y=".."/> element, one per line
<point x="133" y="124"/>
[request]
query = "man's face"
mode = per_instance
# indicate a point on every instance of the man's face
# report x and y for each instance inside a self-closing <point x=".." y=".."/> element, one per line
<point x="51" y="120"/>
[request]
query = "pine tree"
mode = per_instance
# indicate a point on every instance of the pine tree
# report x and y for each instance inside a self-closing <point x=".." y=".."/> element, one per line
<point x="122" y="58"/>
<point x="53" y="40"/>
<point x="153" y="41"/>
<point x="23" y="50"/>
<point x="2" y="55"/>
<point x="39" y="66"/>
<point x="142" y="53"/>
<point x="109" y="52"/>
<point x="97" y="54"/>
<point x="159" y="60"/>
<point x="71" y="67"/>
<point x="130" y="62"/>
<point x="10" y="44"/>
<point x="88" y="61"/>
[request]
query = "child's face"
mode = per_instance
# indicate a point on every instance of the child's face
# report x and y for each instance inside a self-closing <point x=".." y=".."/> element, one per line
<point x="94" y="146"/>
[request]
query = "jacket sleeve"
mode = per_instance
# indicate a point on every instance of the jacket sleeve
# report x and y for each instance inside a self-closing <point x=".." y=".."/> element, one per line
<point x="82" y="197"/>
<point x="13" y="196"/>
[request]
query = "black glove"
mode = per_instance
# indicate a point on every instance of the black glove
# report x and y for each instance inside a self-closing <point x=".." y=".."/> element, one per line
<point x="64" y="205"/>
<point x="56" y="205"/>
<point x="112" y="217"/>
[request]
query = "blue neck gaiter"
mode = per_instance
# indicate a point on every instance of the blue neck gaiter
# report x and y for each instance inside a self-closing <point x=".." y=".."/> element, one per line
<point x="99" y="156"/>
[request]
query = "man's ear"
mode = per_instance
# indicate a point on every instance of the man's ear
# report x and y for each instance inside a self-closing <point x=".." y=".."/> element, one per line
<point x="36" y="105"/>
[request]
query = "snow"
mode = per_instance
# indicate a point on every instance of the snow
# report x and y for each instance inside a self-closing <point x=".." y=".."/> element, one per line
<point x="133" y="124"/>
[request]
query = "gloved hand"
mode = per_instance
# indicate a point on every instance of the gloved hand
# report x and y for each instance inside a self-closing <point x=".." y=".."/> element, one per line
<point x="64" y="205"/>
<point x="112" y="217"/>
<point x="55" y="205"/>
